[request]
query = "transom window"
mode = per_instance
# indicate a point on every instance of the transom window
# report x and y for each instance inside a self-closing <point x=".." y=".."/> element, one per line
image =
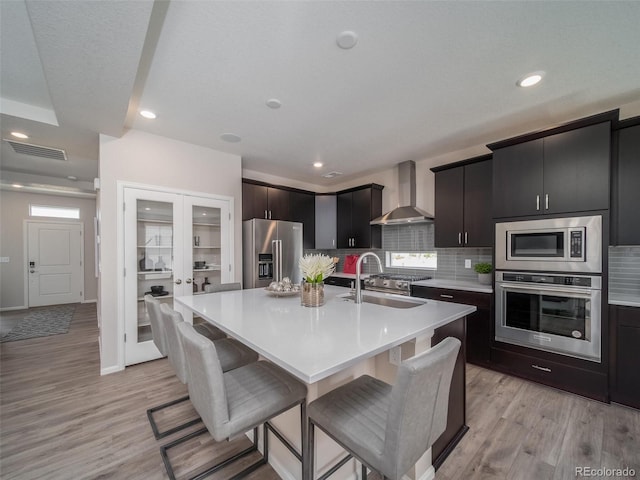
<point x="55" y="212"/>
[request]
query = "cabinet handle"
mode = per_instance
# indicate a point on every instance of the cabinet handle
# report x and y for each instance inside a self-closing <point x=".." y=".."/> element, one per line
<point x="446" y="296"/>
<point x="265" y="215"/>
<point x="544" y="369"/>
<point x="459" y="238"/>
<point x="178" y="282"/>
<point x="269" y="214"/>
<point x="466" y="237"/>
<point x="546" y="201"/>
<point x="537" y="202"/>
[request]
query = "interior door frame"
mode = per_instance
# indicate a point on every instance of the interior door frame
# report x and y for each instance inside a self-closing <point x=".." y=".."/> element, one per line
<point x="25" y="252"/>
<point x="120" y="244"/>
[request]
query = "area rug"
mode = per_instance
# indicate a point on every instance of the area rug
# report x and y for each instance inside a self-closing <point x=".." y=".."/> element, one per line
<point x="42" y="323"/>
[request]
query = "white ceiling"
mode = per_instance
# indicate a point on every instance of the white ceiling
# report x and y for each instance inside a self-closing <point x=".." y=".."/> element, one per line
<point x="425" y="78"/>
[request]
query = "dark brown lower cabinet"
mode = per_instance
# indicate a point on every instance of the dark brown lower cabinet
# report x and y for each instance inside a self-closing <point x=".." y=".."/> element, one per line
<point x="479" y="323"/>
<point x="625" y="355"/>
<point x="457" y="413"/>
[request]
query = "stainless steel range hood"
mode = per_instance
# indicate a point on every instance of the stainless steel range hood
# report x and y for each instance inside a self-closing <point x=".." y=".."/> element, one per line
<point x="408" y="212"/>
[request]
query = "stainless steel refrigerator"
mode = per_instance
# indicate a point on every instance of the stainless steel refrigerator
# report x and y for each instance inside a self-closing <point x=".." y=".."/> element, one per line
<point x="271" y="251"/>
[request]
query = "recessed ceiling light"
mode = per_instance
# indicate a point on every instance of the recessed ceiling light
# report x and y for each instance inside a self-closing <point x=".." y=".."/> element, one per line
<point x="274" y="103"/>
<point x="148" y="114"/>
<point x="204" y="214"/>
<point x="20" y="135"/>
<point x="318" y="164"/>
<point x="147" y="208"/>
<point x="530" y="80"/>
<point x="230" y="137"/>
<point x="347" y="39"/>
<point x="72" y="177"/>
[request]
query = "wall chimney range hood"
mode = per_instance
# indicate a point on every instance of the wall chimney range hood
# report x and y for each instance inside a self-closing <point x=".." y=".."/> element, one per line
<point x="408" y="213"/>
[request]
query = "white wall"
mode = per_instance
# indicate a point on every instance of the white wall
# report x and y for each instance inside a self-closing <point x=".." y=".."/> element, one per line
<point x="153" y="160"/>
<point x="14" y="210"/>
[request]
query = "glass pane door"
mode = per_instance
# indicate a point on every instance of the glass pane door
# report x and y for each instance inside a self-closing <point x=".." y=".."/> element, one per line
<point x="151" y="264"/>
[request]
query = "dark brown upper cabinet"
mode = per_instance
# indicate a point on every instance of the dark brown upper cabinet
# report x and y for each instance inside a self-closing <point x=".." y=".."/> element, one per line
<point x="564" y="170"/>
<point x="356" y="208"/>
<point x="262" y="201"/>
<point x="626" y="186"/>
<point x="463" y="215"/>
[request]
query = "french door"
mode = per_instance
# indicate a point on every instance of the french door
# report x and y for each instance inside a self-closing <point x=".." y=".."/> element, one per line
<point x="174" y="245"/>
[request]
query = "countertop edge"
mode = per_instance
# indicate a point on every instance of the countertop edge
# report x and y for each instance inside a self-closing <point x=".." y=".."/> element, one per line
<point x="453" y="285"/>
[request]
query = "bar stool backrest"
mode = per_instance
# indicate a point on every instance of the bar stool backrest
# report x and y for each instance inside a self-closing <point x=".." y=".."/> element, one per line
<point x="222" y="287"/>
<point x="417" y="413"/>
<point x="157" y="330"/>
<point x="206" y="382"/>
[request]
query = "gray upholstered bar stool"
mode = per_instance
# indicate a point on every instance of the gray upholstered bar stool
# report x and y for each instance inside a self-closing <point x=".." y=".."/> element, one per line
<point x="235" y="355"/>
<point x="388" y="428"/>
<point x="234" y="402"/>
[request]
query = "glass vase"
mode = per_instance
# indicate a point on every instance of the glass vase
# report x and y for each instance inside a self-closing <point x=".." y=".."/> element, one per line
<point x="312" y="294"/>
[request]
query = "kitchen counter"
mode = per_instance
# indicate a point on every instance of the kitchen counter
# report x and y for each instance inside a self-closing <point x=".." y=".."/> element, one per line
<point x="466" y="285"/>
<point x="624" y="300"/>
<point x="313" y="343"/>
<point x="351" y="276"/>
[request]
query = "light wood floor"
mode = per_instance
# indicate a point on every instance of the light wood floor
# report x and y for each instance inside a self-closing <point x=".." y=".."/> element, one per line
<point x="59" y="419"/>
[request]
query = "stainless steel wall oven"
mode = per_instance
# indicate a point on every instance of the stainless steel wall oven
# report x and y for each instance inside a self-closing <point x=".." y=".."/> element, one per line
<point x="551" y="312"/>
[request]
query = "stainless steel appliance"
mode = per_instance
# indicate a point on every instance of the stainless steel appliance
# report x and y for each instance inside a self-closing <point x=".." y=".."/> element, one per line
<point x="399" y="284"/>
<point x="550" y="245"/>
<point x="271" y="251"/>
<point x="551" y="312"/>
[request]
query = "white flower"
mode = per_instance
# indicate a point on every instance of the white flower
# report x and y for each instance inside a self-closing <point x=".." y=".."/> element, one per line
<point x="315" y="268"/>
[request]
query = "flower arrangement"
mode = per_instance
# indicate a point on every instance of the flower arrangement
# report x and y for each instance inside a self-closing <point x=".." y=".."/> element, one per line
<point x="315" y="268"/>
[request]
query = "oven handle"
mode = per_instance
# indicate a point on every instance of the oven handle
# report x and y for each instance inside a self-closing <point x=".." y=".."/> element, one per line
<point x="575" y="292"/>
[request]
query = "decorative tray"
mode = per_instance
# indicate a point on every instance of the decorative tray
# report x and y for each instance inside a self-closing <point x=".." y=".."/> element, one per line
<point x="275" y="293"/>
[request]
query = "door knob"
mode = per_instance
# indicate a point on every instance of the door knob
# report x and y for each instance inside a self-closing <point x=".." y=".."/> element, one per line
<point x="188" y="280"/>
<point x="32" y="271"/>
<point x="178" y="282"/>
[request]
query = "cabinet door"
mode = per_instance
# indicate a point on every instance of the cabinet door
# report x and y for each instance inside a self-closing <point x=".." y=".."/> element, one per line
<point x="152" y="262"/>
<point x="254" y="201"/>
<point x="628" y="193"/>
<point x="626" y="371"/>
<point x="360" y="218"/>
<point x="303" y="209"/>
<point x="478" y="226"/>
<point x="449" y="208"/>
<point x="517" y="179"/>
<point x="278" y="204"/>
<point x="344" y="207"/>
<point x="576" y="170"/>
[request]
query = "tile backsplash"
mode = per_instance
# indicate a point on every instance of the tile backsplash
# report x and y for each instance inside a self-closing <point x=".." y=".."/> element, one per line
<point x="419" y="238"/>
<point x="624" y="271"/>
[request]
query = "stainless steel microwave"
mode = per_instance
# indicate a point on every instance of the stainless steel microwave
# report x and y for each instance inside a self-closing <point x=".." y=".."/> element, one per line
<point x="550" y="245"/>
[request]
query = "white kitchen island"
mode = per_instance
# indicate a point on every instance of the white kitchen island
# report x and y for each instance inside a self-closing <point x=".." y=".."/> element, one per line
<point x="324" y="347"/>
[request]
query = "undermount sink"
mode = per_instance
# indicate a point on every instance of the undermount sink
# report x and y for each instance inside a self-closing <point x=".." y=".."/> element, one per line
<point x="387" y="301"/>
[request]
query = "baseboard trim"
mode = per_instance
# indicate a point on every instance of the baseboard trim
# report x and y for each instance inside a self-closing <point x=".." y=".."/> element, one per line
<point x="109" y="370"/>
<point x="8" y="309"/>
<point x="90" y="301"/>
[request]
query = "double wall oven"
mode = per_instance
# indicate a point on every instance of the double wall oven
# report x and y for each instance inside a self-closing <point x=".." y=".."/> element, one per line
<point x="549" y="285"/>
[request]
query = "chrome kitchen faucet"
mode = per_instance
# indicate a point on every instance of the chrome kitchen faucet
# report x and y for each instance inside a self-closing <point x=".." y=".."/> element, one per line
<point x="358" y="296"/>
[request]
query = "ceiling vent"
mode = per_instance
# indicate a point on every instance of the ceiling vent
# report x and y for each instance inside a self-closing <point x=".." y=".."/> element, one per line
<point x="37" y="150"/>
<point x="331" y="174"/>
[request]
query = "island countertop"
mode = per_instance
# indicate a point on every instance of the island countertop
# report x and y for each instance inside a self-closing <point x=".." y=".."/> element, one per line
<point x="313" y="343"/>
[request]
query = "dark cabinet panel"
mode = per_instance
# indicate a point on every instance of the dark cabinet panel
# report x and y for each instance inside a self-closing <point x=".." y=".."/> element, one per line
<point x="278" y="204"/>
<point x="356" y="208"/>
<point x="625" y="362"/>
<point x="463" y="215"/>
<point x="562" y="173"/>
<point x="517" y="179"/>
<point x="254" y="201"/>
<point x="302" y="208"/>
<point x="576" y="170"/>
<point x="627" y="195"/>
<point x="479" y="323"/>
<point x="449" y="207"/>
<point x="456" y="413"/>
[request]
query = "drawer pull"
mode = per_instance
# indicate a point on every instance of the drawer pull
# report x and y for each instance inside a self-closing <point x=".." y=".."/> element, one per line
<point x="544" y="369"/>
<point x="446" y="296"/>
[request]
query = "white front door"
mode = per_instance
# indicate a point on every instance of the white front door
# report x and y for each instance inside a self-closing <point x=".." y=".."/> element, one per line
<point x="55" y="257"/>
